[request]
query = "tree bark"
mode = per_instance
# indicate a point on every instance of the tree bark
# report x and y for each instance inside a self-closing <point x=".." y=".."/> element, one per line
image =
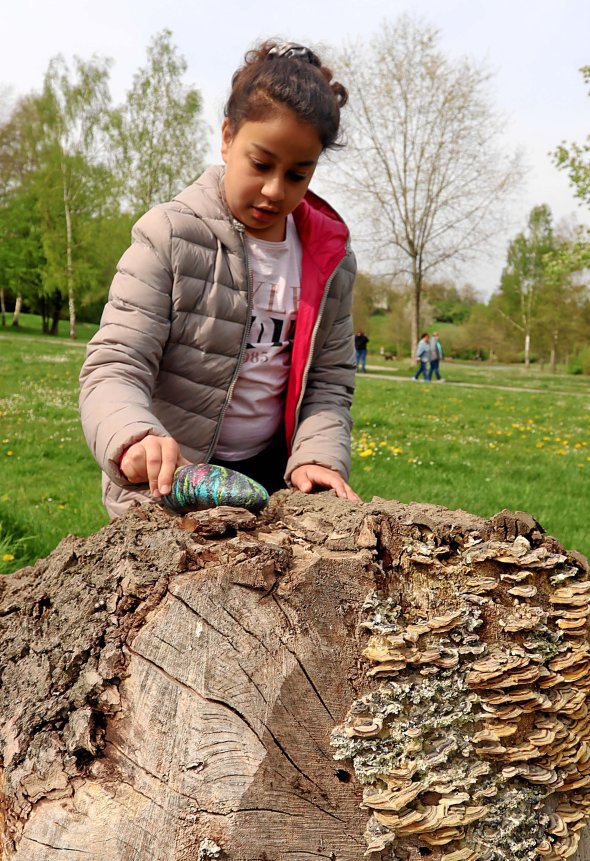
<point x="69" y="253"/>
<point x="18" y="303"/>
<point x="170" y="686"/>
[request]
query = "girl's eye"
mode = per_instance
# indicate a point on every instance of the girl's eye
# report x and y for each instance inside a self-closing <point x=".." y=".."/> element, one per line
<point x="296" y="177"/>
<point x="260" y="165"/>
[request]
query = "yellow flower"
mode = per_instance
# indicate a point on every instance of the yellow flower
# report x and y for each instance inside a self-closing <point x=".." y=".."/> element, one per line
<point x="7" y="557"/>
<point x="540" y="444"/>
<point x="492" y="445"/>
<point x="9" y="453"/>
<point x="366" y="453"/>
<point x="61" y="506"/>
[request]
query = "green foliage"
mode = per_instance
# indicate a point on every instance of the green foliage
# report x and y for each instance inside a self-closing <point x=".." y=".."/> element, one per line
<point x="574" y="158"/>
<point x="449" y="303"/>
<point x="580" y="362"/>
<point x="543" y="293"/>
<point x="158" y="136"/>
<point x="69" y="169"/>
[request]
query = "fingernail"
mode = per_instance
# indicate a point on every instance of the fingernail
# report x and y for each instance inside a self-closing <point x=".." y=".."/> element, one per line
<point x="165" y="489"/>
<point x="156" y="493"/>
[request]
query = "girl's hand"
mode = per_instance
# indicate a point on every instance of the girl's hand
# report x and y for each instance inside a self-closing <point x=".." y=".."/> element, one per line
<point x="154" y="460"/>
<point x="310" y="475"/>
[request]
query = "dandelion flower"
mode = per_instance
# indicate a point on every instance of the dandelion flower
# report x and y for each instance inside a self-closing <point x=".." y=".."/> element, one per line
<point x="7" y="557"/>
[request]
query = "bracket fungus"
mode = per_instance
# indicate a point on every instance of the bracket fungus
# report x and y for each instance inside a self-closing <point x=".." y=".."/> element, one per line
<point x="473" y="739"/>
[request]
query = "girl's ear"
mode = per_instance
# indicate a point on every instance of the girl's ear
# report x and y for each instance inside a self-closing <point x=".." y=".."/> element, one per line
<point x="226" y="138"/>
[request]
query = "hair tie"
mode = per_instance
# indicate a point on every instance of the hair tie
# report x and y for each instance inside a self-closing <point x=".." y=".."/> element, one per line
<point x="292" y="50"/>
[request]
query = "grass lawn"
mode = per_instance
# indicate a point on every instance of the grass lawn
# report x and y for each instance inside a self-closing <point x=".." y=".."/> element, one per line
<point x="49" y="483"/>
<point x="480" y="448"/>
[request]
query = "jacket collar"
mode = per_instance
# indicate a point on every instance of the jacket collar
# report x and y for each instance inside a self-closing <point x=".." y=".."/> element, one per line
<point x="323" y="233"/>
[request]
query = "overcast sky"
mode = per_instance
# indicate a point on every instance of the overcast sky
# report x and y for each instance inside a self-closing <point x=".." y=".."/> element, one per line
<point x="535" y="48"/>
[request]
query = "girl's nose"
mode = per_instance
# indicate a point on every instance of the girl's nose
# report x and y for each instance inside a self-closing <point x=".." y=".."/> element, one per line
<point x="274" y="188"/>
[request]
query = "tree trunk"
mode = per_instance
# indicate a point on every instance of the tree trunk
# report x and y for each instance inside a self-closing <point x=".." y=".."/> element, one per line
<point x="3" y="306"/>
<point x="554" y="341"/>
<point x="56" y="306"/>
<point x="18" y="303"/>
<point x="69" y="254"/>
<point x="195" y="688"/>
<point x="416" y="303"/>
<point x="527" y="351"/>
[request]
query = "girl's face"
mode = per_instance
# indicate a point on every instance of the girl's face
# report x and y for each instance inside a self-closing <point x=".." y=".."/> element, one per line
<point x="269" y="165"/>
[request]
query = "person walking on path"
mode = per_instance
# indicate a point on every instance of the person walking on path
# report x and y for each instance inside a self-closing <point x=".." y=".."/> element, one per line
<point x="422" y="356"/>
<point x="227" y="337"/>
<point x="436" y="355"/>
<point x="360" y="345"/>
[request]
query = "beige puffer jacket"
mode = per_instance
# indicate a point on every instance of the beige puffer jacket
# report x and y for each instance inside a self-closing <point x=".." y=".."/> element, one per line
<point x="175" y="328"/>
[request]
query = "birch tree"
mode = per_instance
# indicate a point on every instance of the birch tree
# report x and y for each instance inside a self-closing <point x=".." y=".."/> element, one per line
<point x="75" y="105"/>
<point x="524" y="278"/>
<point x="566" y="297"/>
<point x="159" y="136"/>
<point x="424" y="168"/>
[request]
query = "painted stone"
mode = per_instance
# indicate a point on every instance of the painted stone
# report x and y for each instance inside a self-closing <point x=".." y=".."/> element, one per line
<point x="203" y="485"/>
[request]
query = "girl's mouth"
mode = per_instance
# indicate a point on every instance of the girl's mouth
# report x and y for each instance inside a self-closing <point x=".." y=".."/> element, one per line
<point x="263" y="213"/>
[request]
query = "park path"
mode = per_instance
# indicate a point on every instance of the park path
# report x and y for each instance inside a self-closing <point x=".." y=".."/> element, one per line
<point x="374" y="376"/>
<point x="389" y="376"/>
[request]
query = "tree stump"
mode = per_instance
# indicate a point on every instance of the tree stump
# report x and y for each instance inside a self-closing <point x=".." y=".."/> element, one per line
<point x="312" y="683"/>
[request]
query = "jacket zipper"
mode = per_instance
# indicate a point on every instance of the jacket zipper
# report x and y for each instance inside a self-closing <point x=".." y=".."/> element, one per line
<point x="241" y="230"/>
<point x="311" y="348"/>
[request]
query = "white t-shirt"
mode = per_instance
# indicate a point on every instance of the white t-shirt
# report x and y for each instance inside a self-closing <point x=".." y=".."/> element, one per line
<point x="255" y="411"/>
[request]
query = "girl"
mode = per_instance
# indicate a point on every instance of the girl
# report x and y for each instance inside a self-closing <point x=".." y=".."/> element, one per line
<point x="227" y="336"/>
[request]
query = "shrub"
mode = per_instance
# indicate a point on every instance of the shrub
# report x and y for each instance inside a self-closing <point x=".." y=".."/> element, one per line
<point x="580" y="363"/>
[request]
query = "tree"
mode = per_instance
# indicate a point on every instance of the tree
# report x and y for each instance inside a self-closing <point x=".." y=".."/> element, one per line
<point x="423" y="166"/>
<point x="574" y="158"/>
<point x="21" y="158"/>
<point x="449" y="303"/>
<point x="370" y="296"/>
<point x="566" y="291"/>
<point x="524" y="278"/>
<point x="158" y="134"/>
<point x="74" y="106"/>
<point x="329" y="682"/>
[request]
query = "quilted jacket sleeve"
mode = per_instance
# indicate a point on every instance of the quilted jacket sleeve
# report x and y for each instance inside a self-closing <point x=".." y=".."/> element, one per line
<point x="121" y="366"/>
<point x="325" y="423"/>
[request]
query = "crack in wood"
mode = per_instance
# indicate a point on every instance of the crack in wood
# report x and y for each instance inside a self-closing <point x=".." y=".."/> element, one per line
<point x="224" y="637"/>
<point x="57" y="848"/>
<point x="145" y="770"/>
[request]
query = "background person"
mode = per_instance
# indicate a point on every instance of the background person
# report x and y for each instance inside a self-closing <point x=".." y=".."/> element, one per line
<point x="360" y="346"/>
<point x="218" y="343"/>
<point x="436" y="354"/>
<point x="423" y="357"/>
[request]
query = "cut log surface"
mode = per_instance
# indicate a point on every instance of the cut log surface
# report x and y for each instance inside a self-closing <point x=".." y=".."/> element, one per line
<point x="171" y="687"/>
